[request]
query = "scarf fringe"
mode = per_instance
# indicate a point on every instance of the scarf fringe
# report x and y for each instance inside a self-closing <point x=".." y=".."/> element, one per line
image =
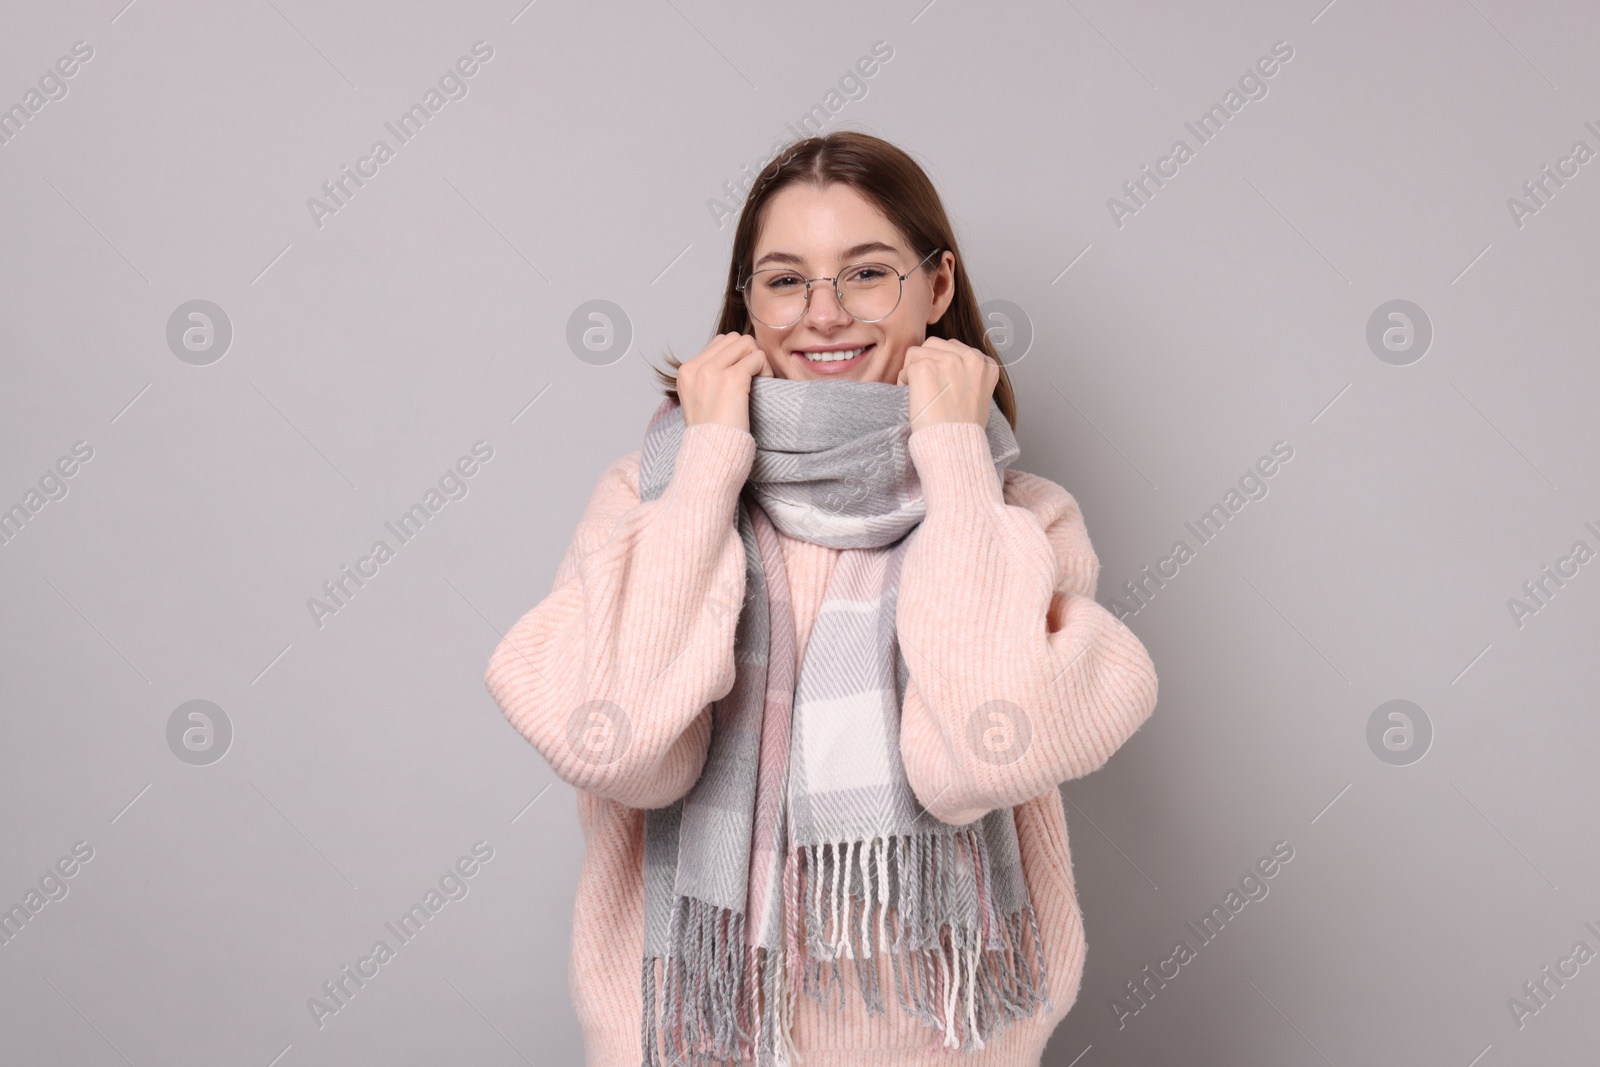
<point x="725" y="1002"/>
<point x="721" y="1001"/>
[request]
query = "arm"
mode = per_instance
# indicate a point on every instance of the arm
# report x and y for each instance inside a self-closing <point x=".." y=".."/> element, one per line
<point x="997" y="604"/>
<point x="611" y="675"/>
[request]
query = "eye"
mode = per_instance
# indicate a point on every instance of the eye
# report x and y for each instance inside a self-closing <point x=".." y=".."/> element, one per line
<point x="868" y="273"/>
<point x="780" y="282"/>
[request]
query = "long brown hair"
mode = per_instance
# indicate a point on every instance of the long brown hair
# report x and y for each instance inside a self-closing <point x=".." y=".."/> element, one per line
<point x="893" y="182"/>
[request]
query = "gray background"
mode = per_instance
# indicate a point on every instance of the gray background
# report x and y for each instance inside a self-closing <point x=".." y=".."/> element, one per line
<point x="432" y="311"/>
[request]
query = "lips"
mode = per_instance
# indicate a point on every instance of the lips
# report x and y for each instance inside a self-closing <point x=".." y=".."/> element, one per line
<point x="834" y="359"/>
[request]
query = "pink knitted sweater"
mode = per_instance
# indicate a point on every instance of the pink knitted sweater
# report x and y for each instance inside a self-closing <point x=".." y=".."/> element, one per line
<point x="996" y="602"/>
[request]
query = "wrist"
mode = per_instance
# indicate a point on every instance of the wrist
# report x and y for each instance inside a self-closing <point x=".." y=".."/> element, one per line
<point x="955" y="465"/>
<point x="712" y="464"/>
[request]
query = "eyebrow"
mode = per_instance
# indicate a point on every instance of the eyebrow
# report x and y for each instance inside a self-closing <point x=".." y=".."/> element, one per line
<point x="849" y="254"/>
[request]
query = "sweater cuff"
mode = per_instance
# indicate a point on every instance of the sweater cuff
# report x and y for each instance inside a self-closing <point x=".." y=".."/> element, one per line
<point x="955" y="465"/>
<point x="712" y="464"/>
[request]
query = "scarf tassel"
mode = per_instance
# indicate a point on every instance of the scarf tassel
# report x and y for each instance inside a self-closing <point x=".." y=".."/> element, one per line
<point x="720" y="1001"/>
<point x="966" y="980"/>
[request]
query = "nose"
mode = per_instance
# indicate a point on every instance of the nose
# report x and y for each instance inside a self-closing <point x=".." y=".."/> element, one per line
<point x="824" y="312"/>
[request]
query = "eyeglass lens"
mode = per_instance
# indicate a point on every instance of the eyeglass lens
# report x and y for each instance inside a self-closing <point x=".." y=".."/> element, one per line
<point x="867" y="292"/>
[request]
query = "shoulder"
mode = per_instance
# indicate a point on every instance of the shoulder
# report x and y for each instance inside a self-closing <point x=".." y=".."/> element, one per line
<point x="1051" y="502"/>
<point x="624" y="471"/>
<point x="616" y="491"/>
<point x="1062" y="520"/>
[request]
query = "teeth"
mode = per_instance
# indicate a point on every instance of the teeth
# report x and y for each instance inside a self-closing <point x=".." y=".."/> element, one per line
<point x="834" y="357"/>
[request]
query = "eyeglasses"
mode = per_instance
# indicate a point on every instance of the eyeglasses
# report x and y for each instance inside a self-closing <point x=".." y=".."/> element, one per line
<point x="868" y="292"/>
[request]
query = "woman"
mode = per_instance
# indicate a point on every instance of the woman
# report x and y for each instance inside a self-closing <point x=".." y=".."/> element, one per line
<point x="817" y="661"/>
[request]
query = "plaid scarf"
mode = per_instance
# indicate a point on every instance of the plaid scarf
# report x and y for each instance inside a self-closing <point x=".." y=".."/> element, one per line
<point x="801" y="843"/>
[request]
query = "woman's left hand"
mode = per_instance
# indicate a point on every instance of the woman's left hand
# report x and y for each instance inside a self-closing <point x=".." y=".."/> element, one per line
<point x="950" y="382"/>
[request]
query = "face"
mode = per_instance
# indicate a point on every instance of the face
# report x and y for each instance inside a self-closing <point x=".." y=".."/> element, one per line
<point x="816" y="232"/>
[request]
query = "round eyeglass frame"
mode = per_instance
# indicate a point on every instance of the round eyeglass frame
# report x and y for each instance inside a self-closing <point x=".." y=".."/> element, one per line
<point x="743" y="289"/>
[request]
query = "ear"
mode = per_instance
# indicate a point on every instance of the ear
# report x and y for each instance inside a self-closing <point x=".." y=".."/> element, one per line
<point x="944" y="287"/>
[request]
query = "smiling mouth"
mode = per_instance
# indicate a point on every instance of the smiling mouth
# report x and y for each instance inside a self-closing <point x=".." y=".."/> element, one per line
<point x="843" y="356"/>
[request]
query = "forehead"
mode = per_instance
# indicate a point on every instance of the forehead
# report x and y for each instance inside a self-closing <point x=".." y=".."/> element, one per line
<point x="803" y="224"/>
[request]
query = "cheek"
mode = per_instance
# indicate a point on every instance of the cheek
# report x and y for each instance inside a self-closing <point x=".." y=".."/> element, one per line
<point x="894" y="359"/>
<point x="769" y="341"/>
<point x="904" y="335"/>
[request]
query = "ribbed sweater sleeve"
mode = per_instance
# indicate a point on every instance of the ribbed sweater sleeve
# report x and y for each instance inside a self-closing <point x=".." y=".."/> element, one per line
<point x="1020" y="680"/>
<point x="611" y="675"/>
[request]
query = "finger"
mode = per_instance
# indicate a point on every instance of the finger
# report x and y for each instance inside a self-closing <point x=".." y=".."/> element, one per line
<point x="754" y="363"/>
<point x="750" y="349"/>
<point x="727" y="349"/>
<point x="709" y="352"/>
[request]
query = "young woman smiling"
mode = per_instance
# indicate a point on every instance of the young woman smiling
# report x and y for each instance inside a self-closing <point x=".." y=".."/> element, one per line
<point x="818" y="660"/>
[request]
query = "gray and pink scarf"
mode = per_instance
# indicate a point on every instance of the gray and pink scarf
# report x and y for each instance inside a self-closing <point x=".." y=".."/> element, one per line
<point x="802" y="844"/>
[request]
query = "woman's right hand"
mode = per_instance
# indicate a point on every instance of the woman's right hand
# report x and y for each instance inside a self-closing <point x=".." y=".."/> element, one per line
<point x="715" y="385"/>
